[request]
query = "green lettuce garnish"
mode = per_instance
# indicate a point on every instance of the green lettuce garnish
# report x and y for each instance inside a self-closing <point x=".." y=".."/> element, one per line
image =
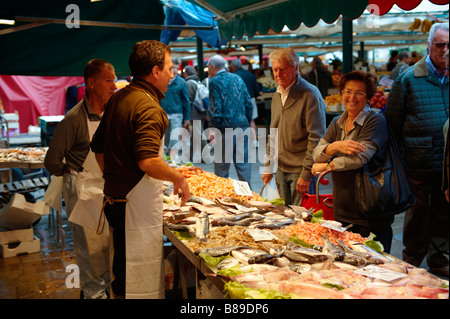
<point x="236" y="290"/>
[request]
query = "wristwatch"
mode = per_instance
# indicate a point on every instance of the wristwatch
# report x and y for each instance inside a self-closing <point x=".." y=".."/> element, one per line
<point x="328" y="167"/>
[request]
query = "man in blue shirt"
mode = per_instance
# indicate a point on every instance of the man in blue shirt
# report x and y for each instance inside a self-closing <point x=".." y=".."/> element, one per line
<point x="177" y="107"/>
<point x="230" y="112"/>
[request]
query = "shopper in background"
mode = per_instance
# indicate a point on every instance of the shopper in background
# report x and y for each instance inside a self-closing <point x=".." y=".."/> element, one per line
<point x="392" y="60"/>
<point x="416" y="110"/>
<point x="253" y="89"/>
<point x="354" y="139"/>
<point x="298" y="115"/>
<point x="178" y="110"/>
<point x="197" y="118"/>
<point x="69" y="156"/>
<point x="320" y="77"/>
<point x="230" y="108"/>
<point x="402" y="65"/>
<point x="129" y="148"/>
<point x="445" y="177"/>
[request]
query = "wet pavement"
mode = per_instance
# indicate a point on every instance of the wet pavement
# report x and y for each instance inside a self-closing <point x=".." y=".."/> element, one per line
<point x="43" y="275"/>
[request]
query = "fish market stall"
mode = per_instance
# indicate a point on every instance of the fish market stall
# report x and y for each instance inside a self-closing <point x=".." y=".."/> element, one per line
<point x="247" y="247"/>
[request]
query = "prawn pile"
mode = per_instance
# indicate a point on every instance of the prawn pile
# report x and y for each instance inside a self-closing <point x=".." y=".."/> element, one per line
<point x="209" y="185"/>
<point x="313" y="233"/>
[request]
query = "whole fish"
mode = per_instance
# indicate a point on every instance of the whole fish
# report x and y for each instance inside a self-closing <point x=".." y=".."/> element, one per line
<point x="336" y="252"/>
<point x="202" y="226"/>
<point x="314" y="256"/>
<point x="219" y="251"/>
<point x="356" y="246"/>
<point x="200" y="200"/>
<point x="370" y="259"/>
<point x="243" y="258"/>
<point x="281" y="262"/>
<point x="260" y="259"/>
<point x="227" y="263"/>
<point x="275" y="225"/>
<point x="300" y="268"/>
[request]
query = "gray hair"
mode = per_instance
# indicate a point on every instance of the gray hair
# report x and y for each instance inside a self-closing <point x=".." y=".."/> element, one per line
<point x="217" y="61"/>
<point x="403" y="55"/>
<point x="285" y="53"/>
<point x="434" y="27"/>
<point x="237" y="63"/>
<point x="190" y="70"/>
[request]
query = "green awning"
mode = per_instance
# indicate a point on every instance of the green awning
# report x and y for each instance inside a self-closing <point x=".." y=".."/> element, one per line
<point x="247" y="17"/>
<point x="39" y="47"/>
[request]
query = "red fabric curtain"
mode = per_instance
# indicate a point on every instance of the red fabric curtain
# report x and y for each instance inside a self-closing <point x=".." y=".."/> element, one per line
<point x="34" y="96"/>
<point x="385" y="5"/>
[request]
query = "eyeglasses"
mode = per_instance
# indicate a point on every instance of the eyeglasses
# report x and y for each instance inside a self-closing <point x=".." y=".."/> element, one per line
<point x="358" y="94"/>
<point x="441" y="45"/>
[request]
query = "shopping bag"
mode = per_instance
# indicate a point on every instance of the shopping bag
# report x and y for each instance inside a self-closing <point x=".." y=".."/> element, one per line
<point x="270" y="191"/>
<point x="319" y="201"/>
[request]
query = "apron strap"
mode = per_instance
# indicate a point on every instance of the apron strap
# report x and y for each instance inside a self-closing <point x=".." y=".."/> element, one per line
<point x="101" y="219"/>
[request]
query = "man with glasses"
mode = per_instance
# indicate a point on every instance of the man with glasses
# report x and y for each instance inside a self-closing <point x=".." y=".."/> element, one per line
<point x="417" y="109"/>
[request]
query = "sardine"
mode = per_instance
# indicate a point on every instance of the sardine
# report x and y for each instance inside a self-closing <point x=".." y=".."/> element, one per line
<point x="202" y="226"/>
<point x="332" y="250"/>
<point x="200" y="200"/>
<point x="230" y="201"/>
<point x="219" y="251"/>
<point x="227" y="263"/>
<point x="354" y="260"/>
<point x="274" y="225"/>
<point x="295" y="256"/>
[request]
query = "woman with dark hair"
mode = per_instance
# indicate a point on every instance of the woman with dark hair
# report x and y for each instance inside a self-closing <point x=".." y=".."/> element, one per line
<point x="356" y="138"/>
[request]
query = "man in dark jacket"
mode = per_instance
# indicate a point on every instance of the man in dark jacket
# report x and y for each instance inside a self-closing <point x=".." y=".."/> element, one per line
<point x="417" y="109"/>
<point x="253" y="89"/>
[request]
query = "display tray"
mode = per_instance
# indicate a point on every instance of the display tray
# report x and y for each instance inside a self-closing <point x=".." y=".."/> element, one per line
<point x="272" y="241"/>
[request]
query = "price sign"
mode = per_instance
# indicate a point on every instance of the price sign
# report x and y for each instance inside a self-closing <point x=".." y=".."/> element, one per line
<point x="261" y="234"/>
<point x="380" y="273"/>
<point x="241" y="188"/>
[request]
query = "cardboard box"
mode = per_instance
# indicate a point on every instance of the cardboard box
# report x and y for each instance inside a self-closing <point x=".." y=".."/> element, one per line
<point x="16" y="236"/>
<point x="25" y="247"/>
<point x="20" y="214"/>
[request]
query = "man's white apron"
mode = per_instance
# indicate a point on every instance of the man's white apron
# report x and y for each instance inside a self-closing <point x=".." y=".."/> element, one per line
<point x="144" y="239"/>
<point x="89" y="185"/>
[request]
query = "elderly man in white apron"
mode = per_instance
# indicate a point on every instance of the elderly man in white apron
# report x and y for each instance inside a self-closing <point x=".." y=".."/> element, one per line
<point x="70" y="158"/>
<point x="133" y="169"/>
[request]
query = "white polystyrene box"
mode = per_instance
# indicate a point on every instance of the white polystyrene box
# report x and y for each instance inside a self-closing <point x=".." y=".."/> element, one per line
<point x="14" y="236"/>
<point x="20" y="214"/>
<point x="25" y="247"/>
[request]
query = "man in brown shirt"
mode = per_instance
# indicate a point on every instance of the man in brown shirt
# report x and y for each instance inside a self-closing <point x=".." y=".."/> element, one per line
<point x="128" y="149"/>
